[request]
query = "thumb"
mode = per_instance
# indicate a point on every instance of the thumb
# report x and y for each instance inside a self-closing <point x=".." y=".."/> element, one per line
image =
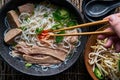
<point x="115" y="24"/>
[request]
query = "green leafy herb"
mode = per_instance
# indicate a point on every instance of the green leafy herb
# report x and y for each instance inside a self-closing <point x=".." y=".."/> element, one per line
<point x="45" y="15"/>
<point x="28" y="65"/>
<point x="33" y="13"/>
<point x="39" y="30"/>
<point x="71" y="23"/>
<point x="56" y="16"/>
<point x="26" y="18"/>
<point x="60" y="14"/>
<point x="14" y="44"/>
<point x="23" y="28"/>
<point x="63" y="13"/>
<point x="56" y="26"/>
<point x="60" y="38"/>
<point x="98" y="74"/>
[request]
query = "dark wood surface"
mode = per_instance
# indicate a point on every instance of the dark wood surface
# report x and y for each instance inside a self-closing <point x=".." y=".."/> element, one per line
<point x="76" y="72"/>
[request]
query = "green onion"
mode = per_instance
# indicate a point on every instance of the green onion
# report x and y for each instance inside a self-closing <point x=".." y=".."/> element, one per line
<point x="98" y="74"/>
<point x="14" y="44"/>
<point x="39" y="30"/>
<point x="71" y="23"/>
<point x="56" y="26"/>
<point x="60" y="14"/>
<point x="56" y="16"/>
<point x="23" y="28"/>
<point x="45" y="15"/>
<point x="60" y="38"/>
<point x="27" y="18"/>
<point x="63" y="12"/>
<point x="28" y="65"/>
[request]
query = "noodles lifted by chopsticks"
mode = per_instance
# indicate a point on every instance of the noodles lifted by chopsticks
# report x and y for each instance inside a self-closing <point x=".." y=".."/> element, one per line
<point x="106" y="60"/>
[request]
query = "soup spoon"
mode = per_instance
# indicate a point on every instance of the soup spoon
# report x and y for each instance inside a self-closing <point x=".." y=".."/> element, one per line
<point x="100" y="8"/>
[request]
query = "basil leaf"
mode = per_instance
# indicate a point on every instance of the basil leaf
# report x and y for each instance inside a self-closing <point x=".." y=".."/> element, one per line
<point x="60" y="38"/>
<point x="39" y="30"/>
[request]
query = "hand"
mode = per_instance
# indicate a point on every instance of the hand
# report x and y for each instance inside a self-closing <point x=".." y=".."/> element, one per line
<point x="114" y="21"/>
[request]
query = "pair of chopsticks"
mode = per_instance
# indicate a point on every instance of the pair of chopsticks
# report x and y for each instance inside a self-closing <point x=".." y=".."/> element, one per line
<point x="91" y="24"/>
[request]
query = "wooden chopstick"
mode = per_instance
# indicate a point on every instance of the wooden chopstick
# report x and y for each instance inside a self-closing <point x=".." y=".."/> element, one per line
<point x="85" y="33"/>
<point x="82" y="25"/>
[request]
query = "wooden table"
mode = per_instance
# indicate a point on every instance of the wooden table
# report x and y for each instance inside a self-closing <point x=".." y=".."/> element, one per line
<point x="76" y="72"/>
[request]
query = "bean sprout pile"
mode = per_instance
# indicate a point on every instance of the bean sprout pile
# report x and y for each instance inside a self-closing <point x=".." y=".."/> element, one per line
<point x="106" y="60"/>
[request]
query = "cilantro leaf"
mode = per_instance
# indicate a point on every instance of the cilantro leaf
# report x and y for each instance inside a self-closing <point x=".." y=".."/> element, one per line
<point x="60" y="38"/>
<point x="39" y="30"/>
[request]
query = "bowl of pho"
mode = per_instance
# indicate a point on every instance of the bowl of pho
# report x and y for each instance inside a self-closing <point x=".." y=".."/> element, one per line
<point x="26" y="27"/>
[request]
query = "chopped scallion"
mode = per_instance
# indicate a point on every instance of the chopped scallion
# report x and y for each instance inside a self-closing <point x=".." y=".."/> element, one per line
<point x="28" y="65"/>
<point x="45" y="15"/>
<point x="39" y="30"/>
<point x="23" y="28"/>
<point x="71" y="23"/>
<point x="98" y="74"/>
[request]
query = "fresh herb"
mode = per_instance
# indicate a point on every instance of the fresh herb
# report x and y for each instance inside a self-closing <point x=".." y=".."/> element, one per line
<point x="56" y="26"/>
<point x="71" y="23"/>
<point x="27" y="65"/>
<point x="64" y="18"/>
<point x="39" y="30"/>
<point x="14" y="44"/>
<point x="56" y="16"/>
<point x="45" y="15"/>
<point x="63" y="13"/>
<point x="33" y="13"/>
<point x="60" y="38"/>
<point x="60" y="14"/>
<point x="26" y="18"/>
<point x="23" y="28"/>
<point x="98" y="74"/>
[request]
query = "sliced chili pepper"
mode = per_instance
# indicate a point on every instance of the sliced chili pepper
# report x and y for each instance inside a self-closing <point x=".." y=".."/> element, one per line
<point x="98" y="74"/>
<point x="43" y="34"/>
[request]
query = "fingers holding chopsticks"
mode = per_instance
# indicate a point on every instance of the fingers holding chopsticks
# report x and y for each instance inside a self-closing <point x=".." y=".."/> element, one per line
<point x="114" y="21"/>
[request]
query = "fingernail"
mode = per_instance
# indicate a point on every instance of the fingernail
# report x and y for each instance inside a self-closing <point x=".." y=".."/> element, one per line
<point x="112" y="18"/>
